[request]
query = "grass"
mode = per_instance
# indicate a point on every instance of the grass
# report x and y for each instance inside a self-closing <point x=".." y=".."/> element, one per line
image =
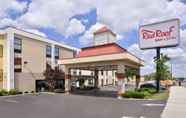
<point x="159" y="96"/>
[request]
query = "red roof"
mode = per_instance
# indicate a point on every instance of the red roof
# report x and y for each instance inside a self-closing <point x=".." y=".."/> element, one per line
<point x="103" y="29"/>
<point x="111" y="48"/>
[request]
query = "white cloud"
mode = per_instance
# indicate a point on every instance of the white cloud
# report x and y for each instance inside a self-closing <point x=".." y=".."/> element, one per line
<point x="7" y="22"/>
<point x="120" y="15"/>
<point x="16" y="6"/>
<point x="75" y="27"/>
<point x="87" y="38"/>
<point x="146" y="55"/>
<point x="52" y="13"/>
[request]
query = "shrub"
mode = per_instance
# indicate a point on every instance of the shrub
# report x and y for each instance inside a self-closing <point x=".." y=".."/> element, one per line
<point x="135" y="94"/>
<point x="3" y="92"/>
<point x="13" y="92"/>
<point x="149" y="90"/>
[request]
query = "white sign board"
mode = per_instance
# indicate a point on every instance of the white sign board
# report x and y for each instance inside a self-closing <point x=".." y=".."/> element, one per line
<point x="161" y="34"/>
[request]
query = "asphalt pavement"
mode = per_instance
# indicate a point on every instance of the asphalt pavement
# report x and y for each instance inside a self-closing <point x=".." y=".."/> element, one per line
<point x="77" y="106"/>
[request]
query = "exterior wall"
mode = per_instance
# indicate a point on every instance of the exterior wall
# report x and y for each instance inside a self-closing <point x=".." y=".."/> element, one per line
<point x="104" y="38"/>
<point x="1" y="60"/>
<point x="26" y="81"/>
<point x="65" y="53"/>
<point x="101" y="38"/>
<point x="34" y="62"/>
<point x="34" y="53"/>
<point x="112" y="38"/>
<point x="108" y="78"/>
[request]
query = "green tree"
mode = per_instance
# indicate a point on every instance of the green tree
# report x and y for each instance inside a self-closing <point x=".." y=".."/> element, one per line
<point x="164" y="72"/>
<point x="129" y="73"/>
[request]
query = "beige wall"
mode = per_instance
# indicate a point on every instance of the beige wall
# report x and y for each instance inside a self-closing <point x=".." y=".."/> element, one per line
<point x="1" y="61"/>
<point x="26" y="81"/>
<point x="34" y="53"/>
<point x="65" y="53"/>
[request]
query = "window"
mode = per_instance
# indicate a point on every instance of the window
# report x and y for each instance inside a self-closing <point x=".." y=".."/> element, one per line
<point x="17" y="70"/>
<point x="1" y="51"/>
<point x="18" y="64"/>
<point x="101" y="72"/>
<point x="48" y="51"/>
<point x="79" y="72"/>
<point x="56" y="52"/>
<point x="106" y="73"/>
<point x="17" y="61"/>
<point x="17" y="45"/>
<point x="74" y="72"/>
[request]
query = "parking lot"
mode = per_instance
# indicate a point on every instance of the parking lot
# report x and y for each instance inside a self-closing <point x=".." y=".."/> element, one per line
<point x="76" y="106"/>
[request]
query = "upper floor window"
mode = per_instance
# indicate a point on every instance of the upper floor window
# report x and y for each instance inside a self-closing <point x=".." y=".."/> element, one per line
<point x="1" y="51"/>
<point x="56" y="52"/>
<point x="17" y="45"/>
<point x="48" y="51"/>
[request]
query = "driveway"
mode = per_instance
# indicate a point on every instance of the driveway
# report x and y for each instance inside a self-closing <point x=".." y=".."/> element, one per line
<point x="75" y="106"/>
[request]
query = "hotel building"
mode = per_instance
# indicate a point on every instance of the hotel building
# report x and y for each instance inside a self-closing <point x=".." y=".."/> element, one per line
<point x="24" y="57"/>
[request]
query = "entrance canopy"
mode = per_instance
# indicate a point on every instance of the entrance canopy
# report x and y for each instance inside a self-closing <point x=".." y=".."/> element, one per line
<point x="102" y="58"/>
<point x="102" y="55"/>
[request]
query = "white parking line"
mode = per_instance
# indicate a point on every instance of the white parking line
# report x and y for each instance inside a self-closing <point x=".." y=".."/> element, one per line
<point x="132" y="117"/>
<point x="11" y="101"/>
<point x="153" y="105"/>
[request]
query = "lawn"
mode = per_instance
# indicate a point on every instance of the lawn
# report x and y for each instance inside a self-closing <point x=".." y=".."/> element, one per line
<point x="159" y="96"/>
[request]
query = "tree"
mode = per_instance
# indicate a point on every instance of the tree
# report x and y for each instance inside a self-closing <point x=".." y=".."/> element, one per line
<point x="52" y="74"/>
<point x="129" y="73"/>
<point x="162" y="69"/>
<point x="151" y="76"/>
<point x="164" y="72"/>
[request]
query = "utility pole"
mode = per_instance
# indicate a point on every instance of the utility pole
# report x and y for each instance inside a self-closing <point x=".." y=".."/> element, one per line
<point x="157" y="69"/>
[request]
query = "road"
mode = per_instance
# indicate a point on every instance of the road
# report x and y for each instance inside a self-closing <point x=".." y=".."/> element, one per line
<point x="76" y="106"/>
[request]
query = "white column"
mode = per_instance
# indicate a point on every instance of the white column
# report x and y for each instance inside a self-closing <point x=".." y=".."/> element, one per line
<point x="53" y="56"/>
<point x="121" y="80"/>
<point x="9" y="82"/>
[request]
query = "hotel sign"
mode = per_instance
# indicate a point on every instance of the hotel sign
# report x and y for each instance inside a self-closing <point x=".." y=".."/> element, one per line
<point x="159" y="35"/>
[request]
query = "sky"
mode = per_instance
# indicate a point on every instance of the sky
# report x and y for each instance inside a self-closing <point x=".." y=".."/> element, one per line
<point x="73" y="21"/>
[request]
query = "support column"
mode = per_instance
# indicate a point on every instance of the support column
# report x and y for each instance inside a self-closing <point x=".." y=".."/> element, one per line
<point x="121" y="82"/>
<point x="67" y="81"/>
<point x="137" y="79"/>
<point x="96" y="78"/>
<point x="8" y="83"/>
<point x="53" y="56"/>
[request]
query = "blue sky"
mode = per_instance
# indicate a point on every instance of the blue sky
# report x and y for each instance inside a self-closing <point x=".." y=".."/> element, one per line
<point x="74" y="21"/>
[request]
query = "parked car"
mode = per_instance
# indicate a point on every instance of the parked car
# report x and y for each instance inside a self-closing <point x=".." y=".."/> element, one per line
<point x="151" y="85"/>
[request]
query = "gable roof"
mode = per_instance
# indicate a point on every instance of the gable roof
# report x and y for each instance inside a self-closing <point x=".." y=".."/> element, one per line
<point x="105" y="49"/>
<point x="102" y="30"/>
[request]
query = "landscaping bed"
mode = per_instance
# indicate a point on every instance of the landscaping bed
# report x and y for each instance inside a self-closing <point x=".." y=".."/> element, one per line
<point x="4" y="92"/>
<point x="146" y="93"/>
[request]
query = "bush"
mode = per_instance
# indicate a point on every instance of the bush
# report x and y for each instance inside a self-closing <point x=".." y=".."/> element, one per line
<point x="13" y="92"/>
<point x="149" y="90"/>
<point x="135" y="94"/>
<point x="3" y="92"/>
